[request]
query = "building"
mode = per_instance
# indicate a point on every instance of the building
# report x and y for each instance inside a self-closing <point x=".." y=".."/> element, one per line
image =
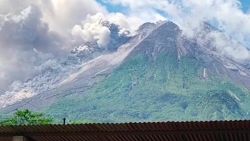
<point x="158" y="131"/>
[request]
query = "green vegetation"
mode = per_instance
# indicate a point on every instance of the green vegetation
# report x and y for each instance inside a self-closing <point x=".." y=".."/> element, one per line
<point x="143" y="89"/>
<point x="81" y="121"/>
<point x="26" y="117"/>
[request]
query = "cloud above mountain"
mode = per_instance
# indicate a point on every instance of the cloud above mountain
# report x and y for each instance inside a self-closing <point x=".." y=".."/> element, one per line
<point x="22" y="35"/>
<point x="32" y="32"/>
<point x="94" y="29"/>
<point x="226" y="15"/>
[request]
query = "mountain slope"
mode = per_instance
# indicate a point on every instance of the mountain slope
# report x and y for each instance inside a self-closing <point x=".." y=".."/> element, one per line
<point x="164" y="78"/>
<point x="158" y="75"/>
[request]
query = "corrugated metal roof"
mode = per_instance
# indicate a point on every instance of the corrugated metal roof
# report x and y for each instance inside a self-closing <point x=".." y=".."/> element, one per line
<point x="158" y="131"/>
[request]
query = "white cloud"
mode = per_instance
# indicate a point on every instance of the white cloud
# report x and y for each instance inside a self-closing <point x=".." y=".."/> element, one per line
<point x="26" y="30"/>
<point x="93" y="29"/>
<point x="191" y="14"/>
<point x="19" y="35"/>
<point x="228" y="17"/>
<point x="62" y="15"/>
<point x="229" y="47"/>
<point x="130" y="23"/>
<point x="28" y="27"/>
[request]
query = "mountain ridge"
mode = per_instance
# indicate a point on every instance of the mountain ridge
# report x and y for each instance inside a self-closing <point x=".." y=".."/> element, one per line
<point x="161" y="75"/>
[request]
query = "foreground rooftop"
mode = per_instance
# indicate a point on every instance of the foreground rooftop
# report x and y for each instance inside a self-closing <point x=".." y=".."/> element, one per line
<point x="155" y="131"/>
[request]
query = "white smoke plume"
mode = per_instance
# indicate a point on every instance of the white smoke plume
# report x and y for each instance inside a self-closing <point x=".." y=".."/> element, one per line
<point x="93" y="29"/>
<point x="28" y="27"/>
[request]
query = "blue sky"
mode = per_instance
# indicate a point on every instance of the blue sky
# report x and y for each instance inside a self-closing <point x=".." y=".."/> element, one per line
<point x="245" y="5"/>
<point x="112" y="8"/>
<point x="118" y="8"/>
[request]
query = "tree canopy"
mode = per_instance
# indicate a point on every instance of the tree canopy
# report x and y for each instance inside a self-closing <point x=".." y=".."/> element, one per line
<point x="27" y="117"/>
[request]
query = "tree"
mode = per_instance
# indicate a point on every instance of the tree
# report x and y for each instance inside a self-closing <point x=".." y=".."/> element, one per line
<point x="26" y="117"/>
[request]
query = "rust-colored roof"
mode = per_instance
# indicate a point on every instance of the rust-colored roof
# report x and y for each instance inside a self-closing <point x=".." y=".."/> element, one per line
<point x="160" y="131"/>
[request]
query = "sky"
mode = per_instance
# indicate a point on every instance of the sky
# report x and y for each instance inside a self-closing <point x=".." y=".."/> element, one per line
<point x="245" y="5"/>
<point x="34" y="32"/>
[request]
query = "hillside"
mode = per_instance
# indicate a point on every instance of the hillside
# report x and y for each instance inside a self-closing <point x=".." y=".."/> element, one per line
<point x="158" y="75"/>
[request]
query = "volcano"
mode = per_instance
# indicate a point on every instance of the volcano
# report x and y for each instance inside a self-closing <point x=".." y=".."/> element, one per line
<point x="157" y="75"/>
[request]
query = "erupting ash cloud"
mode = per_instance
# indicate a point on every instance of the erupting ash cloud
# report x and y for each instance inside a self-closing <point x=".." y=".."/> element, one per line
<point x="33" y="32"/>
